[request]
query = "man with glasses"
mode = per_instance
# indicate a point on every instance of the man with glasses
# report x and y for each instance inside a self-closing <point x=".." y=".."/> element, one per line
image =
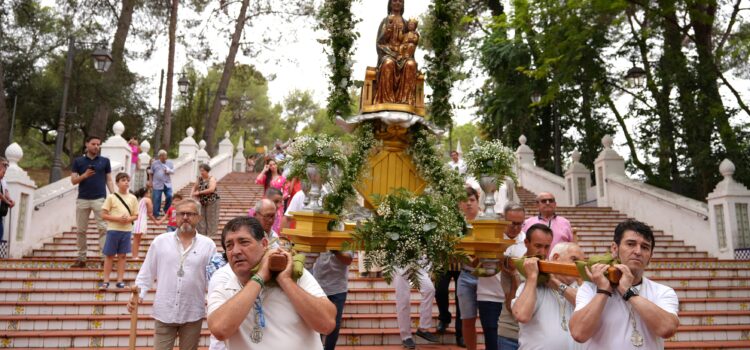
<point x="265" y="213"/>
<point x="561" y="230"/>
<point x="510" y="279"/>
<point x="178" y="261"/>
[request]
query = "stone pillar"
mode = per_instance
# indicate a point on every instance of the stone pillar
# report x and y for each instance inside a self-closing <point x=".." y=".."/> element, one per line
<point x="188" y="146"/>
<point x="202" y="157"/>
<point x="226" y="146"/>
<point x="607" y="164"/>
<point x="21" y="189"/>
<point x="577" y="180"/>
<point x="524" y="155"/>
<point x="239" y="162"/>
<point x="144" y="161"/>
<point x="729" y="215"/>
<point x="118" y="151"/>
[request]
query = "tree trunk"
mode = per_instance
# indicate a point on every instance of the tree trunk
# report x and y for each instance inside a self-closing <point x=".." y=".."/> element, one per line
<point x="213" y="118"/>
<point x="4" y="116"/>
<point x="166" y="139"/>
<point x="710" y="105"/>
<point x="674" y="72"/>
<point x="98" y="125"/>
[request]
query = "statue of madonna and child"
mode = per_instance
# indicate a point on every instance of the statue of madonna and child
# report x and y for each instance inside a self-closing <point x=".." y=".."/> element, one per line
<point x="397" y="70"/>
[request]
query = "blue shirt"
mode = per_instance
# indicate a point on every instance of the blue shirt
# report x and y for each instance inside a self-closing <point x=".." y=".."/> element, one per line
<point x="94" y="187"/>
<point x="161" y="173"/>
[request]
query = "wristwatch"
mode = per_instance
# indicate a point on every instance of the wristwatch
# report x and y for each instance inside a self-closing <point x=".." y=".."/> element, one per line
<point x="632" y="291"/>
<point x="562" y="288"/>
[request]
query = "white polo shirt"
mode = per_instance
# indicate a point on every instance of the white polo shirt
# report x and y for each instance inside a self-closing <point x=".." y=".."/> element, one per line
<point x="615" y="327"/>
<point x="550" y="311"/>
<point x="285" y="329"/>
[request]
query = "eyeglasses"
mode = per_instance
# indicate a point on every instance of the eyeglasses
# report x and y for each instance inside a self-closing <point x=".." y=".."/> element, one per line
<point x="189" y="214"/>
<point x="547" y="200"/>
<point x="268" y="216"/>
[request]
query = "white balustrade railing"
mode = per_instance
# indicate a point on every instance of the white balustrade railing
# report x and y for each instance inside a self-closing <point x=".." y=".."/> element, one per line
<point x="715" y="227"/>
<point x="52" y="208"/>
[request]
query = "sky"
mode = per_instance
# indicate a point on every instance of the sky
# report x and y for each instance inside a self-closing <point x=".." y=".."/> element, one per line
<point x="301" y="63"/>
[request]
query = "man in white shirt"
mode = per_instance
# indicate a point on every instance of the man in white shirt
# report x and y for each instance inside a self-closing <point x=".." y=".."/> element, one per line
<point x="635" y="314"/>
<point x="177" y="260"/>
<point x="251" y="309"/>
<point x="546" y="308"/>
<point x="507" y="326"/>
<point x="457" y="164"/>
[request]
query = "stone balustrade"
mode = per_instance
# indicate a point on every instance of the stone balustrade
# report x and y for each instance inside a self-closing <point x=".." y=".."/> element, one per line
<point x="721" y="226"/>
<point x="51" y="209"/>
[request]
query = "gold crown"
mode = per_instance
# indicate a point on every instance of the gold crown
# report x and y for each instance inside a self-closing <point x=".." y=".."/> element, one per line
<point x="413" y="20"/>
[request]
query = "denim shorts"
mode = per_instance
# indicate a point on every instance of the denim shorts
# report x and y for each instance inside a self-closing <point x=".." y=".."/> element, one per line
<point x="467" y="295"/>
<point x="117" y="242"/>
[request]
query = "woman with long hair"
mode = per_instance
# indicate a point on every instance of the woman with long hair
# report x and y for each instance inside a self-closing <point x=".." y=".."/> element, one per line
<point x="145" y="212"/>
<point x="271" y="177"/>
<point x="205" y="191"/>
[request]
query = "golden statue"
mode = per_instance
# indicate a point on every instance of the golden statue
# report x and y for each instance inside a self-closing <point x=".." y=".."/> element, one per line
<point x="396" y="83"/>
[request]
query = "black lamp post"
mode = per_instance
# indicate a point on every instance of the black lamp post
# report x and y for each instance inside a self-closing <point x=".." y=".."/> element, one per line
<point x="183" y="84"/>
<point x="102" y="62"/>
<point x="536" y="97"/>
<point x="636" y="76"/>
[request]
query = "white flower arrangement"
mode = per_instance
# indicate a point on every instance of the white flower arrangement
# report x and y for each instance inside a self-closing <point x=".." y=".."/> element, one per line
<point x="322" y="150"/>
<point x="490" y="158"/>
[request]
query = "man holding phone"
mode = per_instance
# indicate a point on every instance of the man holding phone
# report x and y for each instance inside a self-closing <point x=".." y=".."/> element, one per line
<point x="92" y="173"/>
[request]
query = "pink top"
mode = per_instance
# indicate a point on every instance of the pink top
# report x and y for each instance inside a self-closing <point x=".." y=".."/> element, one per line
<point x="134" y="151"/>
<point x="277" y="183"/>
<point x="561" y="230"/>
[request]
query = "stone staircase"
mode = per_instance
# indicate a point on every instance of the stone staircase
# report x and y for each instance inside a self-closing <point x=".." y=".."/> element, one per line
<point x="45" y="304"/>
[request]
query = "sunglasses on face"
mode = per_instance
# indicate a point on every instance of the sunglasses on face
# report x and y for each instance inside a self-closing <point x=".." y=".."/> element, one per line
<point x="547" y="200"/>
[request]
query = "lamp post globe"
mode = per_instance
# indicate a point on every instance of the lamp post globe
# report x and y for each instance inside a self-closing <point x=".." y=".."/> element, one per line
<point x="635" y="77"/>
<point x="536" y="97"/>
<point x="223" y="100"/>
<point x="183" y="84"/>
<point x="102" y="59"/>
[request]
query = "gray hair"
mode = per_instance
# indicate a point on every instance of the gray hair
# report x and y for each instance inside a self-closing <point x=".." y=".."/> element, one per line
<point x="562" y="248"/>
<point x="273" y="191"/>
<point x="513" y="206"/>
<point x="192" y="201"/>
<point x="259" y="204"/>
<point x="161" y="151"/>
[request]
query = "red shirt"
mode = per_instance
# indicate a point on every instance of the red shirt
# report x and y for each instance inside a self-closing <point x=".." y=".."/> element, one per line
<point x="172" y="215"/>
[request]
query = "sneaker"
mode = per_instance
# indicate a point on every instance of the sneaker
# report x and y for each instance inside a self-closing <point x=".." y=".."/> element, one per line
<point x="426" y="335"/>
<point x="409" y="343"/>
<point x="120" y="285"/>
<point x="79" y="264"/>
<point x="103" y="285"/>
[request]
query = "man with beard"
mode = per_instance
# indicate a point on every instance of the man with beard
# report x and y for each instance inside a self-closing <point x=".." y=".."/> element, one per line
<point x="637" y="313"/>
<point x="178" y="261"/>
<point x="252" y="309"/>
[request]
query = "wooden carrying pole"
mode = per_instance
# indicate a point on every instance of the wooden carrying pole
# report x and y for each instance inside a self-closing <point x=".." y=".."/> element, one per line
<point x="568" y="269"/>
<point x="134" y="316"/>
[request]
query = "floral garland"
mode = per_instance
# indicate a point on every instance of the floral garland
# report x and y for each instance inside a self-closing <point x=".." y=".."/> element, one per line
<point x="319" y="149"/>
<point x="408" y="229"/>
<point x="490" y="158"/>
<point x="336" y="17"/>
<point x="343" y="190"/>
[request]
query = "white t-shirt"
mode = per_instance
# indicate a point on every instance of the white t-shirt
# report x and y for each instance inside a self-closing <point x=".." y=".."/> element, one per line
<point x="296" y="204"/>
<point x="615" y="327"/>
<point x="546" y="319"/>
<point x="490" y="288"/>
<point x="285" y="329"/>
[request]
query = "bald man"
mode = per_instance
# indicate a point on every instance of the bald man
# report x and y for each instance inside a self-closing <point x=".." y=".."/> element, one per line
<point x="547" y="308"/>
<point x="561" y="230"/>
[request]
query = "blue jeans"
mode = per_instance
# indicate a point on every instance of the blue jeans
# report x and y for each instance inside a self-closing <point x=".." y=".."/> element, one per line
<point x="338" y="300"/>
<point x="504" y="343"/>
<point x="167" y="191"/>
<point x="489" y="314"/>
